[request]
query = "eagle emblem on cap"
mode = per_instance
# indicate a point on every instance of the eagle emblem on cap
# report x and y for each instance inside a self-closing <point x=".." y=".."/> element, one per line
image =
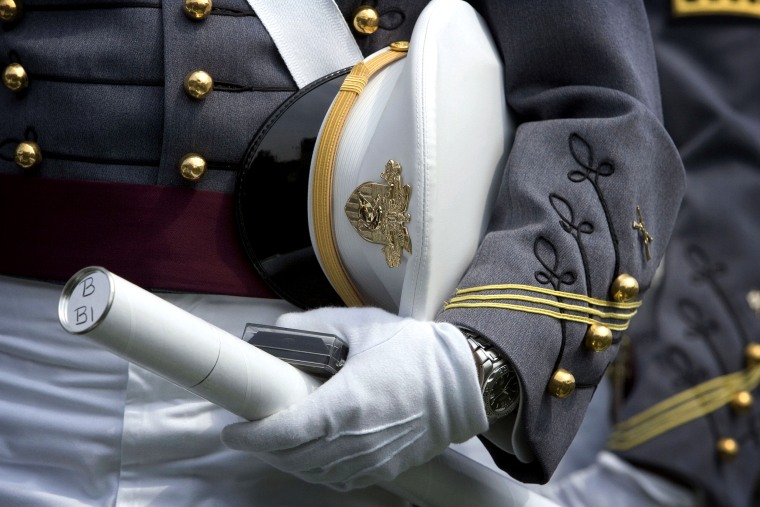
<point x="378" y="212"/>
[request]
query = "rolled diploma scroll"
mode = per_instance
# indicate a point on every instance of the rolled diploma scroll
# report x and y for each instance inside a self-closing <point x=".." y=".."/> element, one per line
<point x="235" y="375"/>
<point x="178" y="346"/>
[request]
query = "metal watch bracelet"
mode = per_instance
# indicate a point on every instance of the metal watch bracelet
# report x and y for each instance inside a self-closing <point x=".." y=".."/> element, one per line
<point x="498" y="381"/>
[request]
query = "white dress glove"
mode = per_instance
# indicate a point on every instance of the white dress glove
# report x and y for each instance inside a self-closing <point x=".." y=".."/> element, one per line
<point x="408" y="389"/>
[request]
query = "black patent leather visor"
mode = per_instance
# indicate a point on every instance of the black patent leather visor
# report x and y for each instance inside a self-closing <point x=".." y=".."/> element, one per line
<point x="271" y="197"/>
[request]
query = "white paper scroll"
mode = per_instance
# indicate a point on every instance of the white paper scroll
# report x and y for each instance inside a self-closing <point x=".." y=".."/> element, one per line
<point x="178" y="346"/>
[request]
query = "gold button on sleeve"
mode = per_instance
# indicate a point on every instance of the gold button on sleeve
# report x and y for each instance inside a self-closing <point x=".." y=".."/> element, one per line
<point x="624" y="288"/>
<point x="727" y="448"/>
<point x="198" y="84"/>
<point x="192" y="167"/>
<point x="366" y="20"/>
<point x="752" y="354"/>
<point x="197" y="9"/>
<point x="562" y="384"/>
<point x="742" y="402"/>
<point x="28" y="155"/>
<point x="10" y="10"/>
<point x="598" y="338"/>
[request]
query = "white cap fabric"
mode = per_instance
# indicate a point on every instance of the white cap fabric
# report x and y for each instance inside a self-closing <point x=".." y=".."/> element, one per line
<point x="440" y="113"/>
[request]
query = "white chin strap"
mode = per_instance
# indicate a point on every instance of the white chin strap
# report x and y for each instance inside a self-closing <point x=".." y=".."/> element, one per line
<point x="312" y="37"/>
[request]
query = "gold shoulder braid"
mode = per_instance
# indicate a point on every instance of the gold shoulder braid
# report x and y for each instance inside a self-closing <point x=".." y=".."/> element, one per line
<point x="716" y="8"/>
<point x="322" y="187"/>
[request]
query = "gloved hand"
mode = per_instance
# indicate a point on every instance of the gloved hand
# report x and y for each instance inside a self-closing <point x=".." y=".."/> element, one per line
<point x="407" y="390"/>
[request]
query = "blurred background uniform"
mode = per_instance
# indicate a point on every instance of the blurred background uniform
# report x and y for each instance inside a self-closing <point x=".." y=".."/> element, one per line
<point x="691" y="413"/>
<point x="115" y="149"/>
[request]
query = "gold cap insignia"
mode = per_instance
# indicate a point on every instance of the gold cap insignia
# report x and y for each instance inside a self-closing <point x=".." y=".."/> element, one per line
<point x="378" y="212"/>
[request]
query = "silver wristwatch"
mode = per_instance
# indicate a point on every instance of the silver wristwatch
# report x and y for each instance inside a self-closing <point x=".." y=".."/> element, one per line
<point x="498" y="380"/>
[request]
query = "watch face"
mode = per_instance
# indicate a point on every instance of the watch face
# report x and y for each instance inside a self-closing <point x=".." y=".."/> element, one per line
<point x="502" y="392"/>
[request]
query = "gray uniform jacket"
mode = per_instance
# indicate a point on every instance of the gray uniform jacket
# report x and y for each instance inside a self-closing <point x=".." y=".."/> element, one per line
<point x="702" y="323"/>
<point x="105" y="103"/>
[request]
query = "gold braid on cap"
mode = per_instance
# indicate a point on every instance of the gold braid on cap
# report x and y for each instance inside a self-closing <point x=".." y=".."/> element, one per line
<point x="322" y="186"/>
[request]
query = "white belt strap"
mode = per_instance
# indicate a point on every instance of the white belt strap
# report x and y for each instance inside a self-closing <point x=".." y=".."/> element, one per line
<point x="311" y="36"/>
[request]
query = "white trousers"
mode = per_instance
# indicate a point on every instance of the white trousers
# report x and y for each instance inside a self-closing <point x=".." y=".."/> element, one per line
<point x="80" y="426"/>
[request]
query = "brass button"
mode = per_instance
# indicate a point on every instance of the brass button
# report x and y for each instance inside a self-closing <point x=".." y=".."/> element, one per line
<point x="366" y="20"/>
<point x="198" y="84"/>
<point x="624" y="288"/>
<point x="598" y="338"/>
<point x="742" y="402"/>
<point x="192" y="167"/>
<point x="197" y="9"/>
<point x="727" y="448"/>
<point x="402" y="46"/>
<point x="28" y="154"/>
<point x="15" y="78"/>
<point x="752" y="354"/>
<point x="562" y="384"/>
<point x="10" y="10"/>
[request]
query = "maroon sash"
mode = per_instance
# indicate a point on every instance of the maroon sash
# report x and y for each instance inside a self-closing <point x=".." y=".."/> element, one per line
<point x="161" y="238"/>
